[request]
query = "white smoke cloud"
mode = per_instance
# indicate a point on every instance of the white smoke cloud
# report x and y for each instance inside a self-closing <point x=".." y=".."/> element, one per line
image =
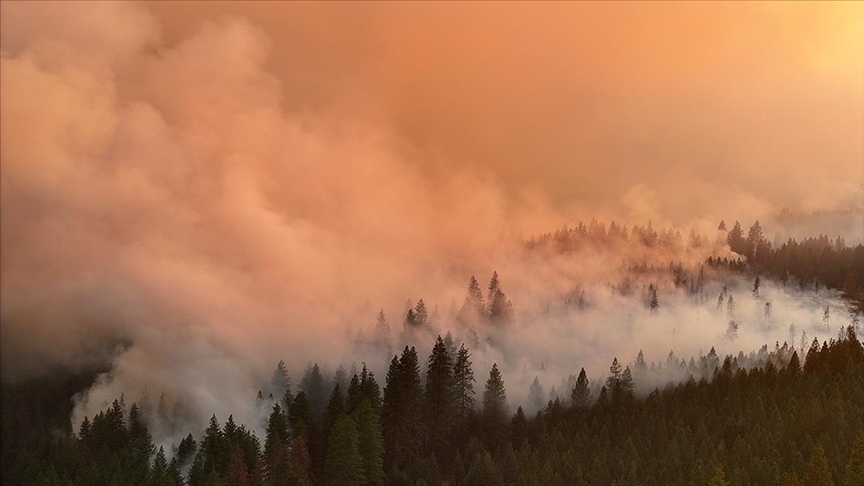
<point x="162" y="208"/>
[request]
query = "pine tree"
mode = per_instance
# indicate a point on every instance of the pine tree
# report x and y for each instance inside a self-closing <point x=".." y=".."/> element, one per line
<point x="163" y="418"/>
<point x="141" y="443"/>
<point x="439" y="396"/>
<point x="811" y="361"/>
<point x="383" y="334"/>
<point x="640" y="366"/>
<point x="614" y="375"/>
<point x="654" y="304"/>
<point x="518" y="426"/>
<point x="237" y="473"/>
<point x="344" y="464"/>
<point x="818" y="471"/>
<point x="626" y="385"/>
<point x="335" y="408"/>
<point x="736" y="240"/>
<point x="495" y="405"/>
<point x="316" y="392"/>
<point x="401" y="408"/>
<point x="494" y="286"/>
<point x="620" y="384"/>
<point x="371" y="442"/>
<point x="159" y="475"/>
<point x="719" y="478"/>
<point x="363" y="386"/>
<point x="535" y="394"/>
<point x="473" y="308"/>
<point x="794" y="366"/>
<point x="450" y="344"/>
<point x="410" y="322"/>
<point x="463" y="377"/>
<point x="300" y="416"/>
<point x="277" y="464"/>
<point x="280" y="382"/>
<point x="580" y="397"/>
<point x="186" y="450"/>
<point x="146" y="407"/>
<point x="754" y="241"/>
<point x="341" y="378"/>
<point x="214" y="447"/>
<point x="421" y="314"/>
<point x="853" y="474"/>
<point x="501" y="309"/>
<point x="483" y="471"/>
<point x="790" y="478"/>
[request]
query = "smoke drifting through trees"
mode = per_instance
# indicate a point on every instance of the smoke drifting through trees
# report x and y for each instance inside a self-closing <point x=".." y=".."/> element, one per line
<point x="163" y="210"/>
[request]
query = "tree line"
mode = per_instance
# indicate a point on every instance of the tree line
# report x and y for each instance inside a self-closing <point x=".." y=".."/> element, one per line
<point x="781" y="419"/>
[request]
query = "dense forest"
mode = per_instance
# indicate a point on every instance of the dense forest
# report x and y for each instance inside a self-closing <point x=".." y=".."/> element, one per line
<point x="782" y="421"/>
<point x="774" y="416"/>
<point x="810" y="263"/>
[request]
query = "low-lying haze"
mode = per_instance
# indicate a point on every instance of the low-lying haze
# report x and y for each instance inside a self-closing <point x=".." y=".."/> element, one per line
<point x="220" y="186"/>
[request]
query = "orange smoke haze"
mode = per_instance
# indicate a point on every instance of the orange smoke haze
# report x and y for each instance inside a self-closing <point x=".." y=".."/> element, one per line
<point x="677" y="111"/>
<point x="221" y="185"/>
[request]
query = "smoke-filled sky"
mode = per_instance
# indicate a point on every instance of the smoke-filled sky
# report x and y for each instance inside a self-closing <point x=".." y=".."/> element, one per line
<point x="673" y="110"/>
<point x="220" y="185"/>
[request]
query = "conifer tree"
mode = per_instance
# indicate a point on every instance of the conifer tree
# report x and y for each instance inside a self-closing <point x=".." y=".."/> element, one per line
<point x="277" y="463"/>
<point x="535" y="394"/>
<point x="640" y="361"/>
<point x="141" y="443"/>
<point x="500" y="309"/>
<point x="463" y="377"/>
<point x="421" y="315"/>
<point x="719" y="478"/>
<point x="341" y="378"/>
<point x="494" y="286"/>
<point x="853" y="473"/>
<point x="817" y="470"/>
<point x="450" y="344"/>
<point x="580" y="397"/>
<point x="186" y="450"/>
<point x="410" y="322"/>
<point x="370" y="442"/>
<point x="473" y="308"/>
<point x="614" y="375"/>
<point x="736" y="240"/>
<point x="300" y="416"/>
<point x="401" y="408"/>
<point x="383" y="334"/>
<point x="495" y="404"/>
<point x="280" y="382"/>
<point x="344" y="464"/>
<point x="335" y="408"/>
<point x="159" y="473"/>
<point x="439" y="397"/>
<point x="653" y="304"/>
<point x="316" y="392"/>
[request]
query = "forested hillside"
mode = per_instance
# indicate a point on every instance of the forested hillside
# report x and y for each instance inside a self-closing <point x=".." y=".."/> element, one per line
<point x="339" y="243"/>
<point x="785" y="414"/>
<point x="777" y="422"/>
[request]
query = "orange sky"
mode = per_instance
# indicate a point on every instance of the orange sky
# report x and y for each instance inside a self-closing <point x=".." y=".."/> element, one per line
<point x="760" y="104"/>
<point x="239" y="186"/>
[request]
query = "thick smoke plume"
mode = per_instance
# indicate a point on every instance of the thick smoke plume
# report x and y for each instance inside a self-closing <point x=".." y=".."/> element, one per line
<point x="178" y="200"/>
